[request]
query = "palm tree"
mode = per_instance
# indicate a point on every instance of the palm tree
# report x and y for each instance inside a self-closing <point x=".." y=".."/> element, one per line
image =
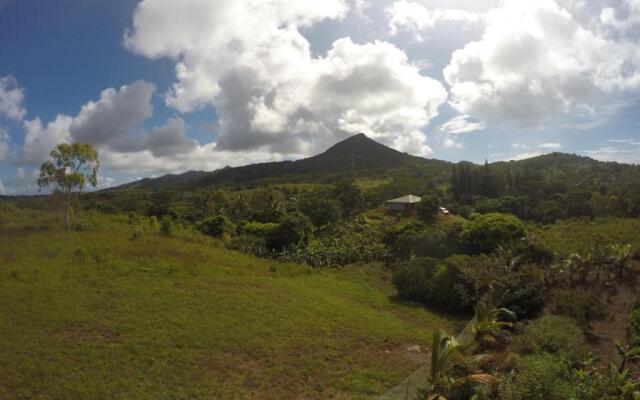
<point x="487" y="324"/>
<point x="628" y="353"/>
<point x="451" y="359"/>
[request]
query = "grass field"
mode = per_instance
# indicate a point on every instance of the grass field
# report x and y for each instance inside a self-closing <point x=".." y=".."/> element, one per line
<point x="98" y="314"/>
<point x="581" y="235"/>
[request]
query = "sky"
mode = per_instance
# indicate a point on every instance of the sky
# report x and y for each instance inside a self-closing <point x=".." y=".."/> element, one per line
<point x="165" y="86"/>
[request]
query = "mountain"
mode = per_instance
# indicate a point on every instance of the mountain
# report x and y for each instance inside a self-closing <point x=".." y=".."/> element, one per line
<point x="357" y="155"/>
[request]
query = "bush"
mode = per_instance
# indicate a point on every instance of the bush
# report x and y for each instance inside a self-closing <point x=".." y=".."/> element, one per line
<point x="488" y="231"/>
<point x="520" y="292"/>
<point x="554" y="334"/>
<point x="633" y="326"/>
<point x="321" y="211"/>
<point x="166" y="225"/>
<point x="436" y="284"/>
<point x="418" y="240"/>
<point x="428" y="208"/>
<point x="537" y="377"/>
<point x="256" y="228"/>
<point x="579" y="305"/>
<point x="293" y="230"/>
<point x="216" y="226"/>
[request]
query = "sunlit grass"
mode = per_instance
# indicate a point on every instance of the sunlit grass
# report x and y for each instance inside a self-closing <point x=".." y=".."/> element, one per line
<point x="97" y="314"/>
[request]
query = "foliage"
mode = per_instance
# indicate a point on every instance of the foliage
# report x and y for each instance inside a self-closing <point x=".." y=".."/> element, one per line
<point x="556" y="335"/>
<point x="428" y="208"/>
<point x="578" y="304"/>
<point x="72" y="166"/>
<point x="433" y="283"/>
<point x="539" y="377"/>
<point x="216" y="226"/>
<point x="321" y="209"/>
<point x="293" y="230"/>
<point x="488" y="231"/>
<point x="166" y="225"/>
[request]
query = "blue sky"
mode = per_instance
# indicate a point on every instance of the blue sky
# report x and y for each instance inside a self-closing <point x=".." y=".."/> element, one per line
<point x="161" y="86"/>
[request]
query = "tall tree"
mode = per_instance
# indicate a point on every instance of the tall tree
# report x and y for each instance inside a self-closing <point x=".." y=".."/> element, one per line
<point x="71" y="167"/>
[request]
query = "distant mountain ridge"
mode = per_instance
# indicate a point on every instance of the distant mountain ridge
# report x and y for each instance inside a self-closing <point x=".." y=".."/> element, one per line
<point x="358" y="155"/>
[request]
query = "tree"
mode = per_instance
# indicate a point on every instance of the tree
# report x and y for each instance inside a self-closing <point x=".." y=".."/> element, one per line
<point x="293" y="230"/>
<point x="428" y="208"/>
<point x="487" y="232"/>
<point x="72" y="166"/>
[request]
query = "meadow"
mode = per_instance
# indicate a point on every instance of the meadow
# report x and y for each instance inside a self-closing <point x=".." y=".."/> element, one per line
<point x="116" y="309"/>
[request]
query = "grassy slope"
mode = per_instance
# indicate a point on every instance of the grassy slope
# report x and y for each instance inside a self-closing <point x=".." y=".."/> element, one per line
<point x="97" y="315"/>
<point x="581" y="235"/>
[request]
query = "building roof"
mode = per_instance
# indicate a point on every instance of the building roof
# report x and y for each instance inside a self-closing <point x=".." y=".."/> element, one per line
<point x="408" y="199"/>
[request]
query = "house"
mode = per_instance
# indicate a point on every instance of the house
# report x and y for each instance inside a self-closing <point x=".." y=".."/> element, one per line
<point x="404" y="203"/>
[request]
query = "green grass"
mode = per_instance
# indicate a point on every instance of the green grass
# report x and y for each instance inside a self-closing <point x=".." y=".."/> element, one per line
<point x="581" y="235"/>
<point x="98" y="315"/>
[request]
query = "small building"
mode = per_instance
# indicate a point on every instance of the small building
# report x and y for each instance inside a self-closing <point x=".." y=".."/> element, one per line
<point x="404" y="203"/>
<point x="444" y="211"/>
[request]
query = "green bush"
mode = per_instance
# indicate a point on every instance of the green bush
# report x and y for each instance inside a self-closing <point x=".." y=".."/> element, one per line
<point x="321" y="210"/>
<point x="428" y="208"/>
<point x="633" y="326"/>
<point x="485" y="233"/>
<point x="579" y="305"/>
<point x="554" y="334"/>
<point x="216" y="226"/>
<point x="537" y="377"/>
<point x="293" y="230"/>
<point x="520" y="292"/>
<point x="166" y="225"/>
<point x="437" y="284"/>
<point x="256" y="228"/>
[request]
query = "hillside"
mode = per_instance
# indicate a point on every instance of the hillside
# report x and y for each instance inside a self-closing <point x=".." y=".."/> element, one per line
<point x="357" y="155"/>
<point x="100" y="315"/>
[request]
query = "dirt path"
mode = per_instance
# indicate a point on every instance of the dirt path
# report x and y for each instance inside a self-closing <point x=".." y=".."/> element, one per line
<point x="606" y="332"/>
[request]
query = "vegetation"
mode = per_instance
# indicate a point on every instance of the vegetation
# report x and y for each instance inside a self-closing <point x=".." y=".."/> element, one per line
<point x="289" y="280"/>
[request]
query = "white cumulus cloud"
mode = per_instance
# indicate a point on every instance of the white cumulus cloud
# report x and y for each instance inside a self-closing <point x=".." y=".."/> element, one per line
<point x="249" y="60"/>
<point x="11" y="99"/>
<point x="418" y="19"/>
<point x="536" y="60"/>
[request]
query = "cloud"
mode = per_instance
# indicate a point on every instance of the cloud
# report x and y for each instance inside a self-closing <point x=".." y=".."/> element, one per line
<point x="249" y="60"/>
<point x="111" y="124"/>
<point x="611" y="153"/>
<point x="39" y="140"/>
<point x="623" y="21"/>
<point x="11" y="98"/>
<point x="3" y="190"/>
<point x="112" y="117"/>
<point x="5" y="143"/>
<point x="461" y="124"/>
<point x="535" y="60"/>
<point x="524" y="156"/>
<point x="550" y="146"/>
<point x="415" y="18"/>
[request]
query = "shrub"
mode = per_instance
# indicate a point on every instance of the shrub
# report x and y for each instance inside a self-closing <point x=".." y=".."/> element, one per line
<point x="293" y="230"/>
<point x="256" y="228"/>
<point x="166" y="225"/>
<point x="436" y="284"/>
<point x="520" y="292"/>
<point x="579" y="305"/>
<point x="320" y="210"/>
<point x="633" y="326"/>
<point x="537" y="377"/>
<point x="428" y="208"/>
<point x="216" y="226"/>
<point x="485" y="233"/>
<point x="554" y="334"/>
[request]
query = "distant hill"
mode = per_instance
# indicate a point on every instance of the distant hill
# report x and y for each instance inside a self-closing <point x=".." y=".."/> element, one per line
<point x="361" y="156"/>
<point x="357" y="155"/>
